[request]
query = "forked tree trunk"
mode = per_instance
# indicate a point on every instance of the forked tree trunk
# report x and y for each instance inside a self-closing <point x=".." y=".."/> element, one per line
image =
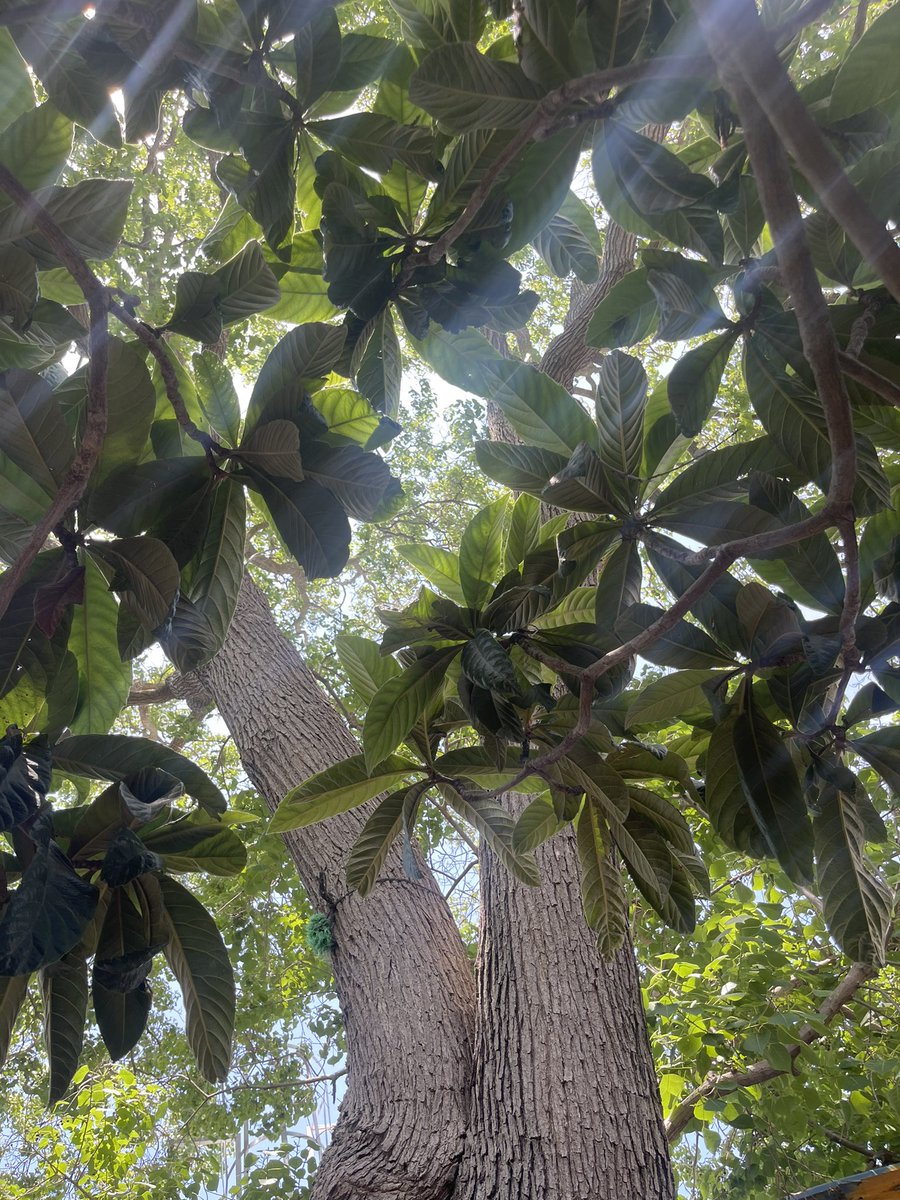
<point x="403" y="980"/>
<point x="566" y="1100"/>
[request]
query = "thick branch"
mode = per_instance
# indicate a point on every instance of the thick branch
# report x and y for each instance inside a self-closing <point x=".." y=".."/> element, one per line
<point x="748" y="64"/>
<point x="763" y="1071"/>
<point x="76" y="478"/>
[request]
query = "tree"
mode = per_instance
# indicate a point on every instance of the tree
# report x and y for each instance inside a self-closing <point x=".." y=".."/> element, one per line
<point x="517" y="674"/>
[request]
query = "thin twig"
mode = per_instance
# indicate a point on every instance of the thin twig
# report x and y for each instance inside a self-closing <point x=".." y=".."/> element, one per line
<point x="763" y="1071"/>
<point x="873" y="380"/>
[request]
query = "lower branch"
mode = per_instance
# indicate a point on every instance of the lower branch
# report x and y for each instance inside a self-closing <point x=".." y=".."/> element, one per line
<point x="763" y="1071"/>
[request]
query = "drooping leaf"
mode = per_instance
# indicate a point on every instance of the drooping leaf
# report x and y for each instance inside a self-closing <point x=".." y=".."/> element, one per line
<point x="602" y="895"/>
<point x="684" y="646"/>
<point x="103" y="679"/>
<point x="619" y="585"/>
<point x="13" y="990"/>
<point x="621" y="399"/>
<point x="33" y="431"/>
<point x="64" y="987"/>
<point x="772" y="790"/>
<point x="145" y="573"/>
<point x="46" y="915"/>
<point x="199" y="960"/>
<point x="373" y="845"/>
<point x="481" y="551"/>
<point x="694" y="381"/>
<point x="310" y="521"/>
<point x="115" y="757"/>
<point x="496" y="826"/>
<point x="365" y="666"/>
<point x="398" y="704"/>
<point x="339" y="788"/>
<point x="190" y="844"/>
<point x="724" y="798"/>
<point x="625" y="315"/>
<point x="536" y="824"/>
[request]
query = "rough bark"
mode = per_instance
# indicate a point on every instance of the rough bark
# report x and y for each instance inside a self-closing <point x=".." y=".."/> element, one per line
<point x="402" y="976"/>
<point x="566" y="1102"/>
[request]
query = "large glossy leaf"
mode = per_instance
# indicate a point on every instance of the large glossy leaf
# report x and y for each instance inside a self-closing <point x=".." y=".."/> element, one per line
<point x="620" y="403"/>
<point x="360" y="481"/>
<point x="687" y="304"/>
<point x="33" y="431"/>
<point x="198" y="959"/>
<point x="619" y="584"/>
<point x="197" y="845"/>
<point x="625" y="315"/>
<point x="481" y="551"/>
<point x="488" y="665"/>
<point x="724" y="798"/>
<point x="438" y="566"/>
<point x="364" y="664"/>
<point x="152" y="496"/>
<point x="310" y="521"/>
<point x="372" y="140"/>
<point x="881" y="750"/>
<point x="652" y="177"/>
<point x="684" y="646"/>
<point x="714" y="475"/>
<point x="694" y="381"/>
<point x="772" y="790"/>
<point x="602" y="894"/>
<point x="46" y="915"/>
<point x="538" y="822"/>
<point x="496" y="826"/>
<point x="524" y="468"/>
<point x="541" y="411"/>
<point x="35" y="146"/>
<point x="103" y="679"/>
<point x="568" y="243"/>
<point x="217" y="396"/>
<point x="857" y="903"/>
<point x="380" y="369"/>
<point x="716" y="610"/>
<point x="373" y="845"/>
<point x="464" y="90"/>
<point x="615" y="29"/>
<point x="399" y="703"/>
<point x="145" y="573"/>
<point x="539" y="185"/>
<point x="214" y="578"/>
<point x="116" y="757"/>
<point x="16" y="91"/>
<point x="671" y="698"/>
<point x="13" y="990"/>
<point x="91" y="214"/>
<point x="133" y="932"/>
<point x="867" y="76"/>
<point x="339" y="788"/>
<point x="306" y="354"/>
<point x="64" y="990"/>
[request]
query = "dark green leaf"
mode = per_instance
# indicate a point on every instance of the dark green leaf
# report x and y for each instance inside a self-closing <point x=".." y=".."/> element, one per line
<point x="487" y="664"/>
<point x="625" y="315"/>
<point x="146" y="574"/>
<point x="339" y="788"/>
<point x="724" y="798"/>
<point x="463" y="90"/>
<point x="46" y="915"/>
<point x="198" y="959"/>
<point x="481" y="551"/>
<point x="683" y="646"/>
<point x="694" y="381"/>
<point x="619" y="585"/>
<point x="372" y="846"/>
<point x="620" y="401"/>
<point x="310" y="521"/>
<point x="602" y="895"/>
<point x="399" y="703"/>
<point x="33" y="431"/>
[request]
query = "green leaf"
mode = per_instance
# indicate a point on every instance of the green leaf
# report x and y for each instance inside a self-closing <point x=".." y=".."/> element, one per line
<point x="304" y="355"/>
<point x="374" y="141"/>
<point x="602" y="895"/>
<point x="724" y="798"/>
<point x="246" y="285"/>
<point x="33" y="430"/>
<point x="620" y="402"/>
<point x="688" y="306"/>
<point x="310" y="522"/>
<point x="380" y="370"/>
<point x="541" y="411"/>
<point x="439" y="567"/>
<point x="524" y="533"/>
<point x="115" y="757"/>
<point x="336" y="790"/>
<point x="684" y="646"/>
<point x="64" y="987"/>
<point x="867" y="76"/>
<point x="858" y="906"/>
<point x="198" y="959"/>
<point x="716" y="610"/>
<point x="372" y="846"/>
<point x="672" y="698"/>
<point x="539" y="184"/>
<point x="772" y="790"/>
<point x="146" y="575"/>
<point x="496" y="826"/>
<point x="188" y="845"/>
<point x="714" y="475"/>
<point x="653" y="178"/>
<point x="625" y="315"/>
<point x="360" y="481"/>
<point x="214" y="577"/>
<point x="150" y="496"/>
<point x="481" y="551"/>
<point x="568" y="242"/>
<point x="364" y="664"/>
<point x="881" y="750"/>
<point x="399" y="703"/>
<point x="103" y="679"/>
<point x="463" y="90"/>
<point x="535" y="825"/>
<point x="523" y="468"/>
<point x="619" y="585"/>
<point x="694" y="381"/>
<point x="485" y="662"/>
<point x="46" y="915"/>
<point x="347" y="414"/>
<point x="273" y="448"/>
<point x="615" y="29"/>
<point x="35" y="147"/>
<point x="13" y="990"/>
<point x="16" y="91"/>
<point x="91" y="214"/>
<point x="134" y="930"/>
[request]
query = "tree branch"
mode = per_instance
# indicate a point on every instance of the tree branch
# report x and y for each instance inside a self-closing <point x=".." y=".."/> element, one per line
<point x="76" y="478"/>
<point x="744" y="52"/>
<point x="870" y="379"/>
<point x="763" y="1071"/>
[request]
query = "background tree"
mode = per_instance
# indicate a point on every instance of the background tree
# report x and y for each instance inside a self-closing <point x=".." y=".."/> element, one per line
<point x="467" y="156"/>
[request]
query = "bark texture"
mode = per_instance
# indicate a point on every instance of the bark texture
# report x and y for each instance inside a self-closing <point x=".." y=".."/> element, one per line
<point x="566" y="1101"/>
<point x="403" y="979"/>
<point x="566" y="1104"/>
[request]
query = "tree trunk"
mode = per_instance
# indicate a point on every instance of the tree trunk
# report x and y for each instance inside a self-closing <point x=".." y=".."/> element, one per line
<point x="402" y="976"/>
<point x="566" y="1103"/>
